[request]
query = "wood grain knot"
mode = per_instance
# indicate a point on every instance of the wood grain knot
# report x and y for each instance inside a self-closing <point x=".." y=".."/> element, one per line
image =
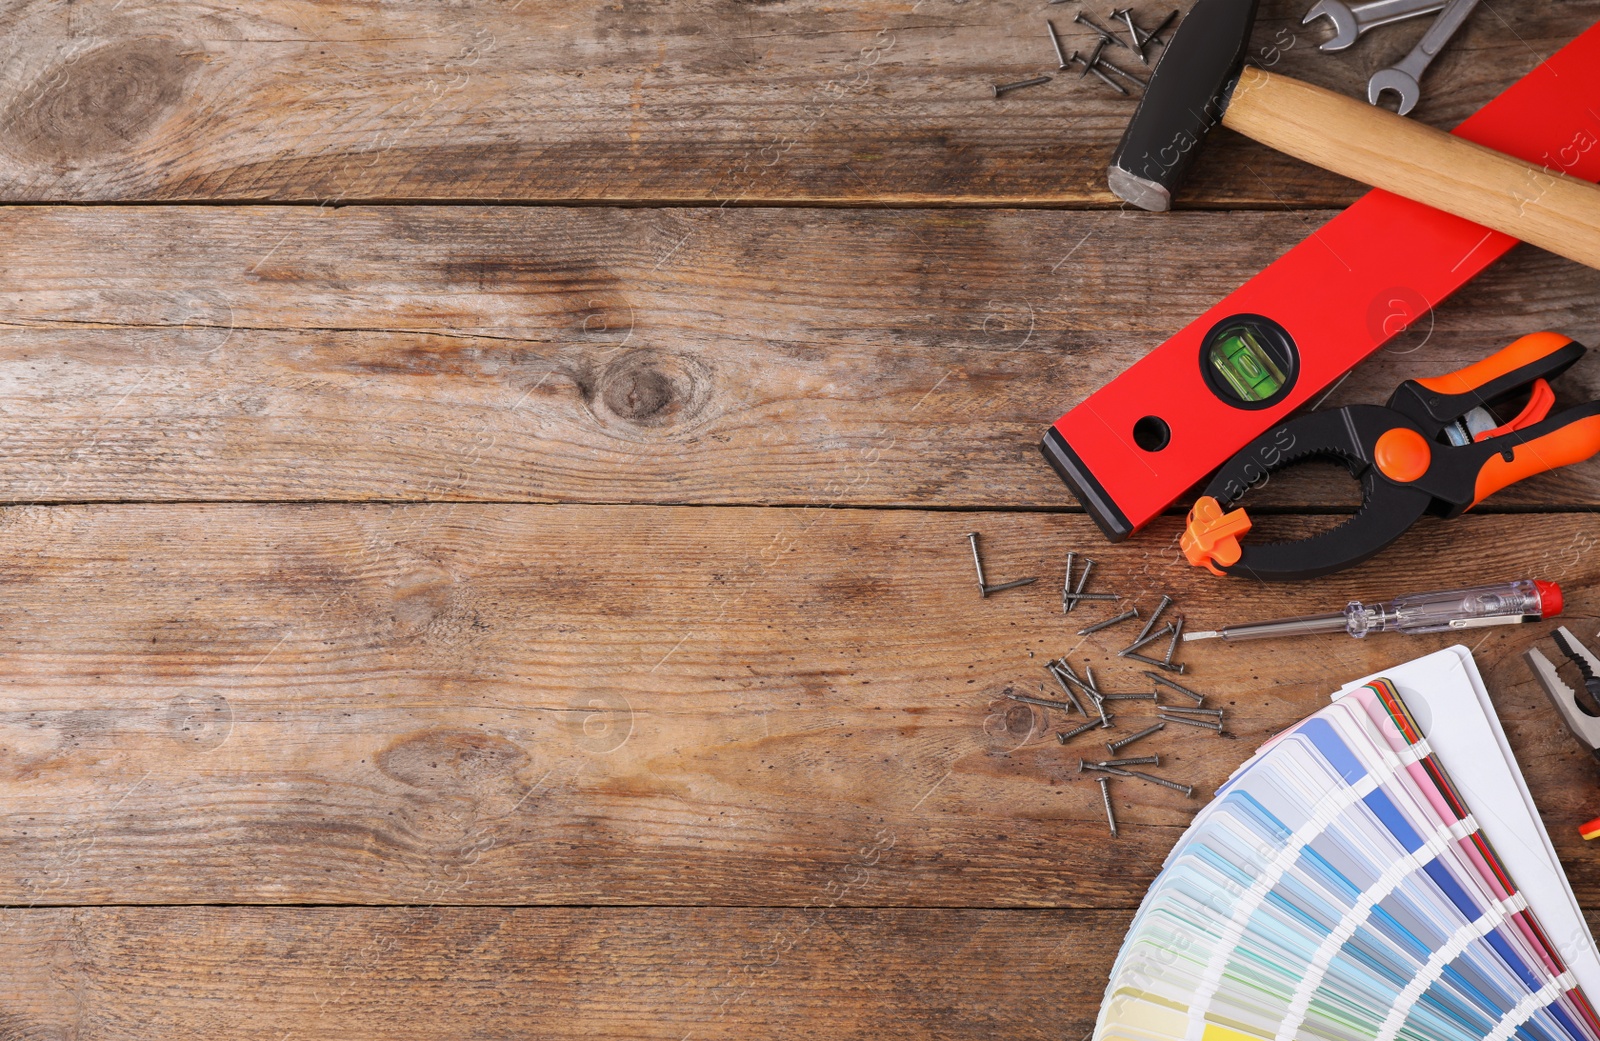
<point x="649" y="389"/>
<point x="99" y="102"/>
<point x="199" y="723"/>
<point x="420" y="598"/>
<point x="457" y="760"/>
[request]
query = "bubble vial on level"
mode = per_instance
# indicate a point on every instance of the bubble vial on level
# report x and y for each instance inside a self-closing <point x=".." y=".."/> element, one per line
<point x="1245" y="365"/>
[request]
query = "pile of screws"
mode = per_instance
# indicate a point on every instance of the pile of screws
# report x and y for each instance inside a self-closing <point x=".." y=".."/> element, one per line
<point x="1097" y="63"/>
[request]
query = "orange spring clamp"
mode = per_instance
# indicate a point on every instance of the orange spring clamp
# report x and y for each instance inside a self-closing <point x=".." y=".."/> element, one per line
<point x="1212" y="536"/>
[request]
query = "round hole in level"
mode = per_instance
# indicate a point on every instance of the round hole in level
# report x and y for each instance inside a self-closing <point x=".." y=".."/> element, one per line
<point x="1152" y="433"/>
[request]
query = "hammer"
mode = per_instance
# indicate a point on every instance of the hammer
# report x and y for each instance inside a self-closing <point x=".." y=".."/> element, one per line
<point x="1201" y="80"/>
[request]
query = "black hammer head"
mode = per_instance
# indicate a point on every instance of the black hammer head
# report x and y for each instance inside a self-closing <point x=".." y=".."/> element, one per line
<point x="1188" y="91"/>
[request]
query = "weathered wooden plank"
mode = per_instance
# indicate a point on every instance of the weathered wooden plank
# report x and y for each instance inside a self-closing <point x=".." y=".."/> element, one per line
<point x="457" y="704"/>
<point x="495" y="973"/>
<point x="560" y="354"/>
<point x="707" y="101"/>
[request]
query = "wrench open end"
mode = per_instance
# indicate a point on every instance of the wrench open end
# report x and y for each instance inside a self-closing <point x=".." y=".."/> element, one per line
<point x="1345" y="28"/>
<point x="1406" y="86"/>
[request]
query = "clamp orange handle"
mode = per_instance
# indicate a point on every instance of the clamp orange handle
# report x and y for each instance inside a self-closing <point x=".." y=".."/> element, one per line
<point x="1519" y="353"/>
<point x="1212" y="537"/>
<point x="1573" y="443"/>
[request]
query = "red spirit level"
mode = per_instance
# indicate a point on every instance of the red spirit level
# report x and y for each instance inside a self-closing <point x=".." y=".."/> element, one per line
<point x="1137" y="444"/>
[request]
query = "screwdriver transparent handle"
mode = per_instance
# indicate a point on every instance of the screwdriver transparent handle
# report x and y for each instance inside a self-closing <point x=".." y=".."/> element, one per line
<point x="1505" y="604"/>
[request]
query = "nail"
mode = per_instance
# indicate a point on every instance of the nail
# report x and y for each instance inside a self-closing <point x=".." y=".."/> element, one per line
<point x="1130" y="697"/>
<point x="1155" y="36"/>
<point x="1065" y="689"/>
<point x="983" y="586"/>
<point x="1170" y="666"/>
<point x="1055" y="41"/>
<point x="1105" y="796"/>
<point x="1109" y="67"/>
<point x="1002" y="587"/>
<point x="1192" y="711"/>
<point x="1088" y="565"/>
<point x="1066" y="583"/>
<point x="1107" y="80"/>
<point x="1126" y="14"/>
<point x="1112" y="746"/>
<point x="1151" y="624"/>
<point x="1172" y="645"/>
<point x="1092" y="596"/>
<point x="1199" y="698"/>
<point x="1142" y="640"/>
<point x="1105" y="720"/>
<point x="1152" y="760"/>
<point x="1117" y="771"/>
<point x="1006" y="88"/>
<point x="1065" y="736"/>
<point x="1060" y="706"/>
<point x="1132" y="612"/>
<point x="1088" y="673"/>
<point x="1163" y="782"/>
<point x="1106" y="35"/>
<point x="1202" y="724"/>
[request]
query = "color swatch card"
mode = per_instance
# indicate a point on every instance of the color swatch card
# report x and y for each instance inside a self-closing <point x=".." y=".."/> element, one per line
<point x="1339" y="887"/>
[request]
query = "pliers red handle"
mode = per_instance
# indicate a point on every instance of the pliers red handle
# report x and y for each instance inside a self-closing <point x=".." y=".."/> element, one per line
<point x="1435" y="447"/>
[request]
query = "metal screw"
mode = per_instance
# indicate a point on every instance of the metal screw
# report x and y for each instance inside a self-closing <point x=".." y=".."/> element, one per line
<point x="1002" y="587"/>
<point x="1142" y="640"/>
<point x="983" y="586"/>
<point x="1172" y="645"/>
<point x="1126" y="14"/>
<point x="1192" y="711"/>
<point x="1106" y="35"/>
<point x="1132" y="612"/>
<point x="1151" y="624"/>
<point x="1055" y="41"/>
<point x="1065" y="736"/>
<point x="1105" y="797"/>
<point x="1191" y="722"/>
<point x="1170" y="666"/>
<point x="1163" y="782"/>
<point x="1060" y="706"/>
<point x="1006" y="88"/>
<point x="1093" y="66"/>
<point x="1153" y="760"/>
<point x="1199" y="698"/>
<point x="1112" y="746"/>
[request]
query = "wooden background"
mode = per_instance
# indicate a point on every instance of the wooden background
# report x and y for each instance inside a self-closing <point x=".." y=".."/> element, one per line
<point x="485" y="486"/>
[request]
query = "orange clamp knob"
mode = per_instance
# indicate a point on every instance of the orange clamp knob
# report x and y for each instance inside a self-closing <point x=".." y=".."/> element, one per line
<point x="1402" y="455"/>
<point x="1212" y="536"/>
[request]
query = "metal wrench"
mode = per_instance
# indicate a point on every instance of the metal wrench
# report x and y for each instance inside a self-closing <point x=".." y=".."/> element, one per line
<point x="1403" y="76"/>
<point x="1350" y="21"/>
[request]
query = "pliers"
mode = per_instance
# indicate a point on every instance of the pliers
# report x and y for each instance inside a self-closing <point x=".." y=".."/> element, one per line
<point x="1583" y="723"/>
<point x="1436" y="447"/>
<point x="1579" y="718"/>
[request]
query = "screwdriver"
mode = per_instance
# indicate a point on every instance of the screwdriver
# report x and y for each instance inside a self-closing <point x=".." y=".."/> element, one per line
<point x="1525" y="600"/>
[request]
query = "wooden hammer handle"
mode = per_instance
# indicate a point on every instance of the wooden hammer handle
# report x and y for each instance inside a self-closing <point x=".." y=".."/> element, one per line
<point x="1373" y="145"/>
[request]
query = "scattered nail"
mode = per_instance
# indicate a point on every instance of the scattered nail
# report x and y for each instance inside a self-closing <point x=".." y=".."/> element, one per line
<point x="1132" y="612"/>
<point x="1001" y="89"/>
<point x="1112" y="746"/>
